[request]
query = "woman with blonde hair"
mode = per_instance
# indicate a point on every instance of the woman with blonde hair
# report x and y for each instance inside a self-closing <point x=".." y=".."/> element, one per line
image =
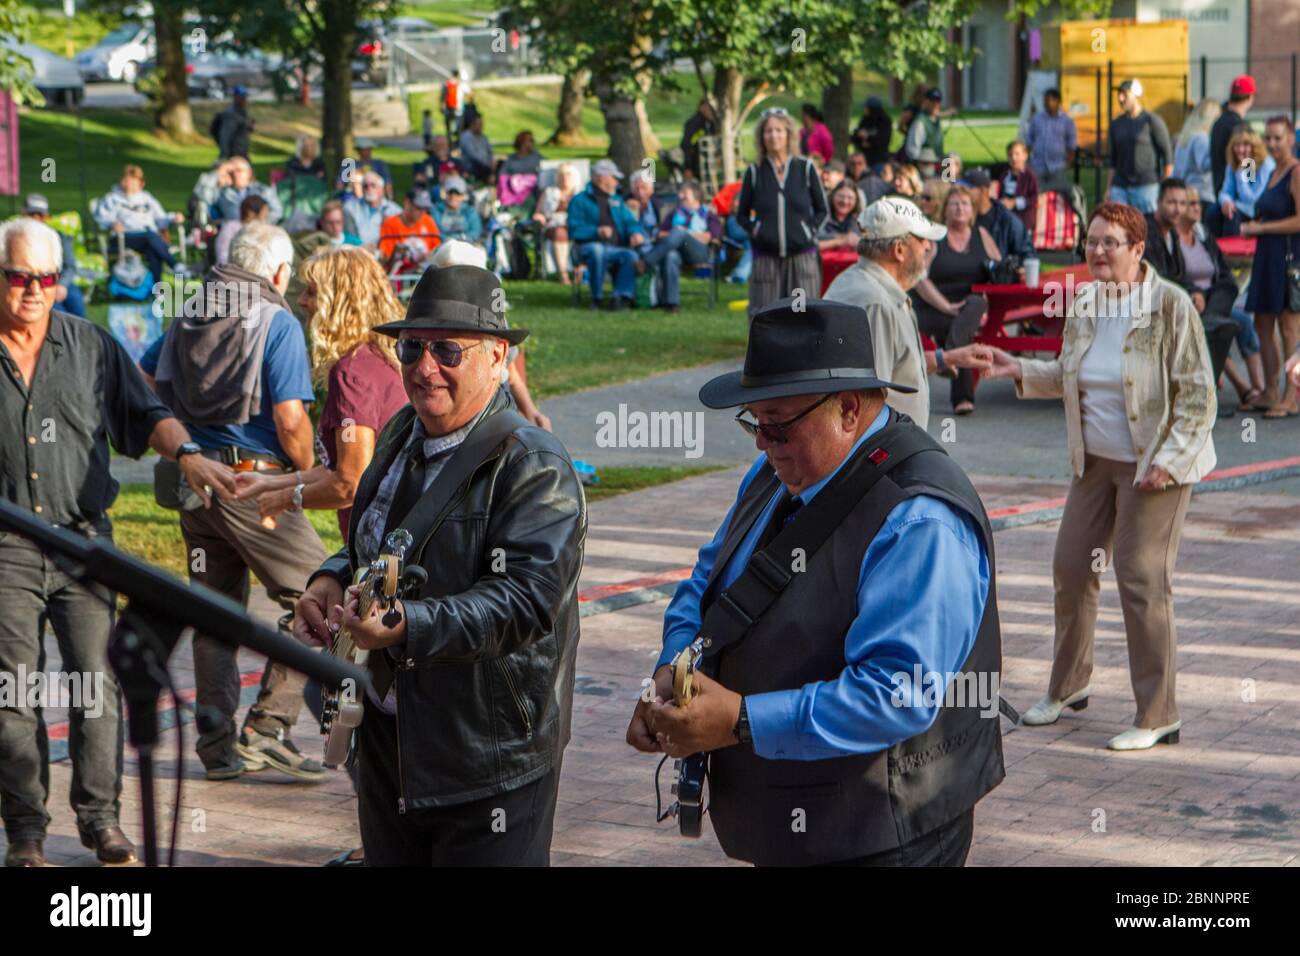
<point x="1244" y="181"/>
<point x="782" y="206"/>
<point x="1192" y="151"/>
<point x="553" y="215"/>
<point x="346" y="294"/>
<point x="907" y="181"/>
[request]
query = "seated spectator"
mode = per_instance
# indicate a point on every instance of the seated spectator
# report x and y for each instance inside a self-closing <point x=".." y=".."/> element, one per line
<point x="934" y="192"/>
<point x="1198" y="267"/>
<point x="906" y="181"/>
<point x="1249" y="170"/>
<point x="457" y="218"/>
<point x="67" y="294"/>
<point x="353" y="169"/>
<point x="425" y="172"/>
<point x="607" y="234"/>
<point x="647" y="207"/>
<point x="733" y="233"/>
<point x="306" y="159"/>
<point x="1019" y="185"/>
<point x="552" y="215"/>
<point x="241" y="185"/>
<point x="412" y="234"/>
<point x="1007" y="230"/>
<point x="332" y="222"/>
<point x="517" y="177"/>
<point x="946" y="310"/>
<point x="870" y="185"/>
<point x="252" y="209"/>
<point x="476" y="150"/>
<point x="366" y="214"/>
<point x="130" y="211"/>
<point x="841" y="229"/>
<point x="686" y="236"/>
<point x="832" y="175"/>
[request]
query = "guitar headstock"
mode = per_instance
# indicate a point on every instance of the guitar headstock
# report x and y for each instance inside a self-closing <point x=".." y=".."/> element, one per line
<point x="684" y="666"/>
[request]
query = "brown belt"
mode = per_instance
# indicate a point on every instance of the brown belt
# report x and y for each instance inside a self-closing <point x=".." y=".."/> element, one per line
<point x="243" y="464"/>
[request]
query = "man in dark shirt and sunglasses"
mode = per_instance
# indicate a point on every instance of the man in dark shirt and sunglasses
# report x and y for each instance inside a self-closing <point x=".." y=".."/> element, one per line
<point x="66" y="390"/>
<point x="824" y="701"/>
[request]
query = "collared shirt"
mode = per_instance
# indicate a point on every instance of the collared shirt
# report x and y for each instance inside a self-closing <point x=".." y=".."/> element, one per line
<point x="895" y="335"/>
<point x="922" y="587"/>
<point x="85" y="392"/>
<point x="1050" y="140"/>
<point x="370" y="528"/>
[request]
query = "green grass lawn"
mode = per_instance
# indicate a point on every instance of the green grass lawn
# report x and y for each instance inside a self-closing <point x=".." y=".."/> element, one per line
<point x="154" y="534"/>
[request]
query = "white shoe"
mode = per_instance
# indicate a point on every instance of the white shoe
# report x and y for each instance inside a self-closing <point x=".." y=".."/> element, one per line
<point x="1048" y="711"/>
<point x="1136" y="738"/>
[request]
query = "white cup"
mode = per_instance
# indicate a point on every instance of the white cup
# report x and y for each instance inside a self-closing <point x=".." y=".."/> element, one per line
<point x="1031" y="273"/>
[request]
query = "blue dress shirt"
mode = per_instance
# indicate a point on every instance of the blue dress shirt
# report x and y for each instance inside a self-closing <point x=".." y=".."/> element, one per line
<point x="922" y="588"/>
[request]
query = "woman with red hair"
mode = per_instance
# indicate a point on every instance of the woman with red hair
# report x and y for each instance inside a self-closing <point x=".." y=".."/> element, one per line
<point x="1135" y="376"/>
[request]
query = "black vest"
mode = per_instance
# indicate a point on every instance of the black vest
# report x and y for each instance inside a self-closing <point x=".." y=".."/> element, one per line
<point x="851" y="806"/>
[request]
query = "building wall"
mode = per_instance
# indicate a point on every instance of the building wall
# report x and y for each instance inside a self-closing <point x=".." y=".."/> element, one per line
<point x="989" y="82"/>
<point x="1274" y="32"/>
<point x="1217" y="30"/>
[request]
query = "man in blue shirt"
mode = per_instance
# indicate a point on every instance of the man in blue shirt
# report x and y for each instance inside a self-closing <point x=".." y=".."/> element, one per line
<point x="845" y="684"/>
<point x="608" y="236"/>
<point x="237" y="375"/>
<point x="1052" y="138"/>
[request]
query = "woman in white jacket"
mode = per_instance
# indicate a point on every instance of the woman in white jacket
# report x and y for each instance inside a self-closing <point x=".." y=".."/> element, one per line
<point x="1135" y="375"/>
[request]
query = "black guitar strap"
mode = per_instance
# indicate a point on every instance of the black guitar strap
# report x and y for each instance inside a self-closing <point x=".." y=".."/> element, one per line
<point x="737" y="609"/>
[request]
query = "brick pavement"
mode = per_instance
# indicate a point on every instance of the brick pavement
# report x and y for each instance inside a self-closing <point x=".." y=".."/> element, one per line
<point x="1229" y="793"/>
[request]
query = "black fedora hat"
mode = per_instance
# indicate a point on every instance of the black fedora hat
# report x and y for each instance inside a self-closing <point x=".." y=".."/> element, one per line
<point x="460" y="298"/>
<point x="822" y="346"/>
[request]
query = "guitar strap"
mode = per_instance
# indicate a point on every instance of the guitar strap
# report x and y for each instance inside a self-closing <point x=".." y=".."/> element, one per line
<point x="427" y="513"/>
<point x="737" y="609"/>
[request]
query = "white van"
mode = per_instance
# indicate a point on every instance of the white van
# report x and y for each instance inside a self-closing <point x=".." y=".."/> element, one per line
<point x="118" y="56"/>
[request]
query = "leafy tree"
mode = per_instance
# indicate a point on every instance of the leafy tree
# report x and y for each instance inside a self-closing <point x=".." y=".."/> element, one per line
<point x="15" y="70"/>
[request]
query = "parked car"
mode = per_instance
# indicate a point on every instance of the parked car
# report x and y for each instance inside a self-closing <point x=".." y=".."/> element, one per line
<point x="212" y="73"/>
<point x="117" y="57"/>
<point x="57" y="78"/>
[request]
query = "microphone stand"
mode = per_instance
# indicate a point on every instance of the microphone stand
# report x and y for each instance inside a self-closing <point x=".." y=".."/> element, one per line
<point x="159" y="608"/>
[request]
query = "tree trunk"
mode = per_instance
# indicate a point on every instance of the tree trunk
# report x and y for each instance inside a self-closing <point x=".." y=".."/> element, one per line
<point x="626" y="147"/>
<point x="648" y="138"/>
<point x="728" y="83"/>
<point x="173" y="116"/>
<point x="568" y="118"/>
<point x="336" y="100"/>
<point x="837" y="104"/>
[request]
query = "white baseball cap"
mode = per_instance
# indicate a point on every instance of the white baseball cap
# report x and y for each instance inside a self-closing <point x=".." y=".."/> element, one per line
<point x="893" y="217"/>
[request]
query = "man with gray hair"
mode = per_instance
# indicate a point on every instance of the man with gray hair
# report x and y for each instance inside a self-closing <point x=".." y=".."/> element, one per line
<point x="237" y="374"/>
<point x="66" y="390"/>
<point x="896" y="238"/>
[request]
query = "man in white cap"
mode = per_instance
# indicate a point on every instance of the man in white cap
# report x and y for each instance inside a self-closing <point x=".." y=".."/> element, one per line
<point x="607" y="234"/>
<point x="896" y="239"/>
<point x="1141" y="154"/>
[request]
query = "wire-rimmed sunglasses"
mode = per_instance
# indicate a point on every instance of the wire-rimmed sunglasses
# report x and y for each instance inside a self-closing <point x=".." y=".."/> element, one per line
<point x="774" y="111"/>
<point x="445" y="352"/>
<point x="24" y="279"/>
<point x="776" y="431"/>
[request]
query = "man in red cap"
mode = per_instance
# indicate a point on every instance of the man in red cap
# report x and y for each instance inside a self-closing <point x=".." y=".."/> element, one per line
<point x="1240" y="99"/>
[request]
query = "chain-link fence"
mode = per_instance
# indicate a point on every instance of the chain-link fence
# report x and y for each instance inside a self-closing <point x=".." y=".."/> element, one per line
<point x="432" y="57"/>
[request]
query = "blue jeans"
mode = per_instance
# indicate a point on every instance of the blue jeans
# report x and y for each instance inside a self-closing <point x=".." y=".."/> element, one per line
<point x="737" y="237"/>
<point x="153" y="248"/>
<point x="599" y="258"/>
<point x="666" y="257"/>
<point x="1141" y="198"/>
<point x="74" y="303"/>
<point x="1247" y="337"/>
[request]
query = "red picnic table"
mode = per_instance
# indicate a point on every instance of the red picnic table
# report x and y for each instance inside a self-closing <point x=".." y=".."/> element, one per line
<point x="1238" y="250"/>
<point x="835" y="261"/>
<point x="1009" y="304"/>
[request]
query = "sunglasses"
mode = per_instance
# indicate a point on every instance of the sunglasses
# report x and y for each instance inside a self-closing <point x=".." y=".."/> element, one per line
<point x="24" y="280"/>
<point x="445" y="352"/>
<point x="776" y="431"/>
<point x="775" y="111"/>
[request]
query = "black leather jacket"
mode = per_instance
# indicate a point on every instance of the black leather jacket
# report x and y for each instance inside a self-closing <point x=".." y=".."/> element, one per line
<point x="485" y="677"/>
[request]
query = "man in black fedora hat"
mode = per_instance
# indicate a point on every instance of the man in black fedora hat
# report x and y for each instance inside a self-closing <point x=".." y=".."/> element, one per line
<point x="472" y="676"/>
<point x="845" y="615"/>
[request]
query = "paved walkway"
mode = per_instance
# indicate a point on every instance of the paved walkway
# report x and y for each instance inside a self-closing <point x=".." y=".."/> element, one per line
<point x="1228" y="794"/>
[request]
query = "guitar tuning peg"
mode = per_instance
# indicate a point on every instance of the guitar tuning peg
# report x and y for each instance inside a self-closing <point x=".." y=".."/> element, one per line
<point x="673" y="789"/>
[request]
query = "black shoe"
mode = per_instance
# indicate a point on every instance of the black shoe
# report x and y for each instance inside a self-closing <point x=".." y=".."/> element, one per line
<point x="355" y="857"/>
<point x="28" y="852"/>
<point x="616" y="304"/>
<point x="109" y="843"/>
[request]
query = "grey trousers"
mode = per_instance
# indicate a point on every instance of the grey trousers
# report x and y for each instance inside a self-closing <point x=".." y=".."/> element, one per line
<point x="33" y="592"/>
<point x="776" y="278"/>
<point x="223" y="544"/>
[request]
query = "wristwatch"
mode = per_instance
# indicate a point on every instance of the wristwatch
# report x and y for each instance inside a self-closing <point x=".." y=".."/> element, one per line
<point x="188" y="448"/>
<point x="940" y="365"/>
<point x="741" y="730"/>
<point x="297" y="496"/>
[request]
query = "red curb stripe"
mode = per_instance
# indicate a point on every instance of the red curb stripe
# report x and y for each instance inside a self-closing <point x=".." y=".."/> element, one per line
<point x="609" y="590"/>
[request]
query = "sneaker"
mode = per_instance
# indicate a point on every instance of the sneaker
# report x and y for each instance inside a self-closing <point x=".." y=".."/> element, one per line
<point x="277" y="752"/>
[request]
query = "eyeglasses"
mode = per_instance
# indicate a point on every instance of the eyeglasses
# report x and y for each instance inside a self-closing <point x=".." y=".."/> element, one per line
<point x="777" y="431"/>
<point x="23" y="279"/>
<point x="445" y="352"/>
<point x="1109" y="244"/>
